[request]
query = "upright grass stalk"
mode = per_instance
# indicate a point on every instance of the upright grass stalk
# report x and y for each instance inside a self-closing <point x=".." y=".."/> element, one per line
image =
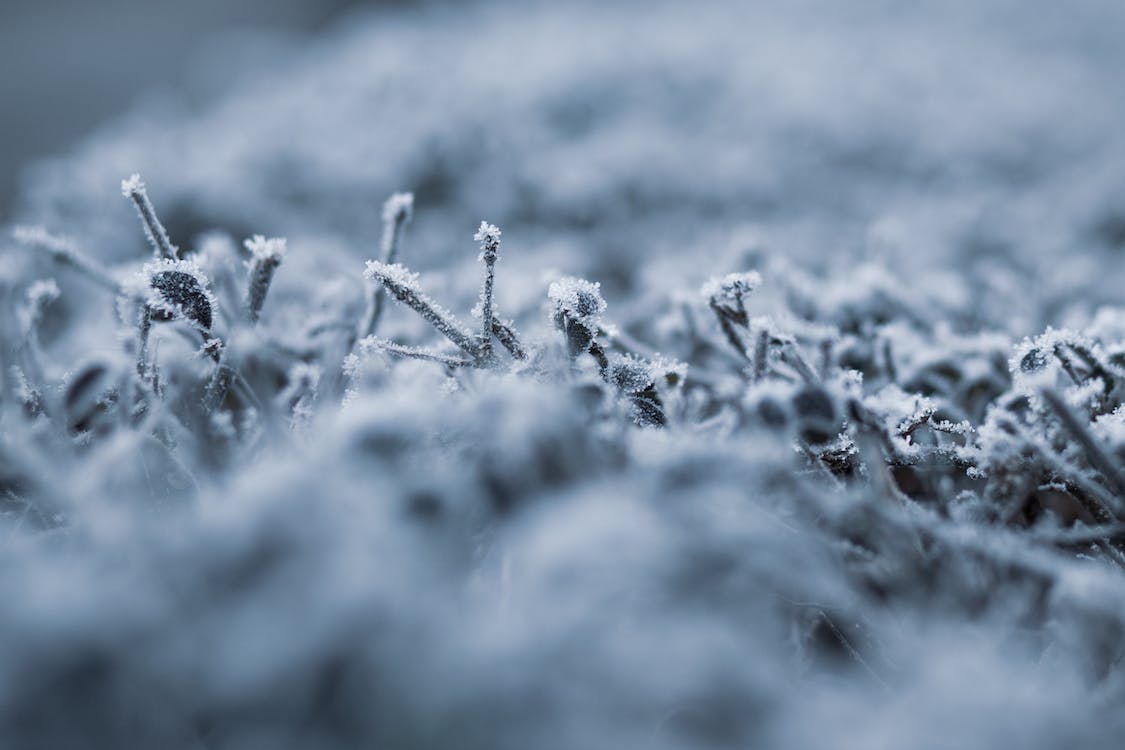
<point x="397" y="213"/>
<point x="266" y="256"/>
<point x="144" y="328"/>
<point x="162" y="247"/>
<point x="489" y="238"/>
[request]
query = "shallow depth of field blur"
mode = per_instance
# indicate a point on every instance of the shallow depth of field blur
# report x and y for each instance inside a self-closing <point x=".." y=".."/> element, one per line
<point x="801" y="424"/>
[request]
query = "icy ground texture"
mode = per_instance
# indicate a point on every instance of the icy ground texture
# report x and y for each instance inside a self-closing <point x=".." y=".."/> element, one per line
<point x="881" y="507"/>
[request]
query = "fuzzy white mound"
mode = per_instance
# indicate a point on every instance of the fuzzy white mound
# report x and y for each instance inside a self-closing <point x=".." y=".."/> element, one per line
<point x="791" y="416"/>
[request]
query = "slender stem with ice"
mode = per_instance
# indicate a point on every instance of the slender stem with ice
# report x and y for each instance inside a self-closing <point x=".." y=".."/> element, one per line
<point x="397" y="212"/>
<point x="489" y="238"/>
<point x="162" y="247"/>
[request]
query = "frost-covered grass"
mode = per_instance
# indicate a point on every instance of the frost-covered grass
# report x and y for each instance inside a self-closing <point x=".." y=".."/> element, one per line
<point x="783" y="405"/>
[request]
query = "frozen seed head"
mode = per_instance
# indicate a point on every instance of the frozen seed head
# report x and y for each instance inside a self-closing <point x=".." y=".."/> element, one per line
<point x="399" y="208"/>
<point x="393" y="274"/>
<point x="132" y="186"/>
<point x="266" y="249"/>
<point x="630" y="375"/>
<point x="178" y="287"/>
<point x="488" y="235"/>
<point x="732" y="288"/>
<point x="578" y="300"/>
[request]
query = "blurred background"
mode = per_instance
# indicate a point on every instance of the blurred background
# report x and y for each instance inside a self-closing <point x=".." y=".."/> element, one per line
<point x="70" y="65"/>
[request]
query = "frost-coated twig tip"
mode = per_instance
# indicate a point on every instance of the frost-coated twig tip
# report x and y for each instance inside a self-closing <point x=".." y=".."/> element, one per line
<point x="390" y="274"/>
<point x="488" y="234"/>
<point x="399" y="207"/>
<point x="134" y="189"/>
<point x="264" y="248"/>
<point x="132" y="185"/>
<point x="266" y="256"/>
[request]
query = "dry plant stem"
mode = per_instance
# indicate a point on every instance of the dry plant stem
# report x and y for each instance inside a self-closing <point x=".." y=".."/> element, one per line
<point x="792" y="356"/>
<point x="144" y="328"/>
<point x="761" y="355"/>
<point x="162" y="246"/>
<point x="488" y="254"/>
<point x="426" y="307"/>
<point x="62" y="253"/>
<point x="508" y="339"/>
<point x="394" y="222"/>
<point x="600" y="357"/>
<point x="852" y="650"/>
<point x="731" y="334"/>
<point x="408" y="352"/>
<point x="218" y="386"/>
<point x="261" y="274"/>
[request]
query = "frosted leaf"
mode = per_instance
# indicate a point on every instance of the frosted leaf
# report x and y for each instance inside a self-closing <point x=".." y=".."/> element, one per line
<point x="630" y="375"/>
<point x="579" y="300"/>
<point x="174" y="287"/>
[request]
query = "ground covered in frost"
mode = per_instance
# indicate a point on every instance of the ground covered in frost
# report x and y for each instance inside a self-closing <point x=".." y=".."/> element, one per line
<point x="586" y="375"/>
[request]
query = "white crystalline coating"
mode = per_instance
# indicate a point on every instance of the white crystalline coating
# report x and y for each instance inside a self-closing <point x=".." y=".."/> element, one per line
<point x="487" y="234"/>
<point x="630" y="375"/>
<point x="579" y="299"/>
<point x="399" y="207"/>
<point x="351" y="365"/>
<point x="732" y="287"/>
<point x="304" y="375"/>
<point x="43" y="292"/>
<point x="132" y="185"/>
<point x="141" y="283"/>
<point x="391" y="273"/>
<point x="266" y="249"/>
